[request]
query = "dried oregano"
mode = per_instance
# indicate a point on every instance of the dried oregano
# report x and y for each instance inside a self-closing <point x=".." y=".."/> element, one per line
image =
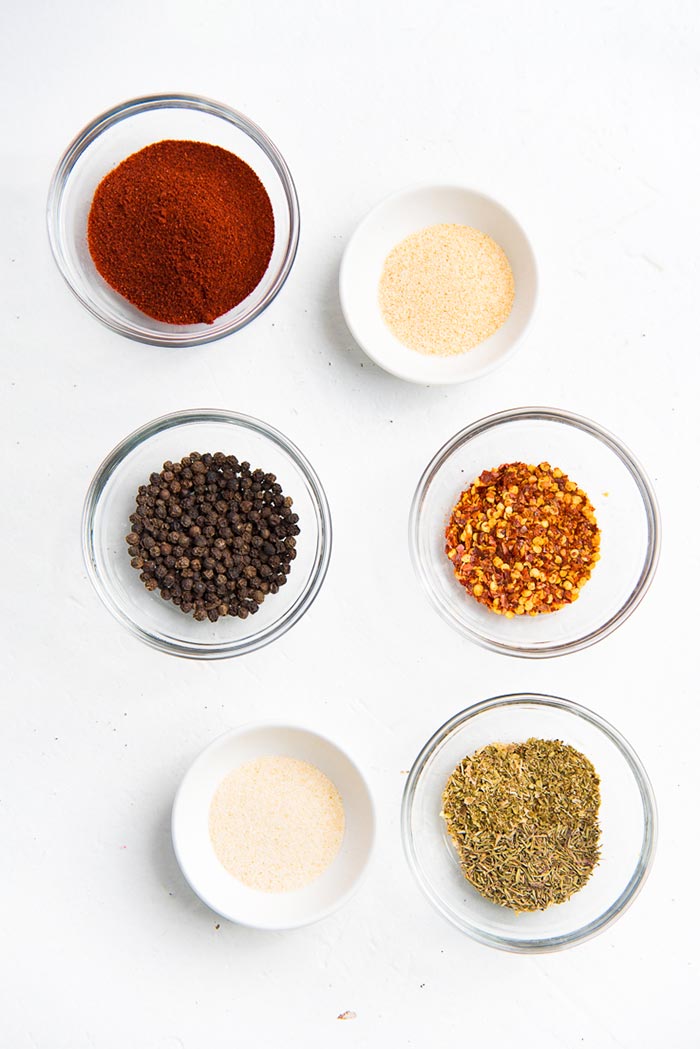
<point x="524" y="820"/>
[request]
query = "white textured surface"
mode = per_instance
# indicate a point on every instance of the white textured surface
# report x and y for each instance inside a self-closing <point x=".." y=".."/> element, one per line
<point x="583" y="119"/>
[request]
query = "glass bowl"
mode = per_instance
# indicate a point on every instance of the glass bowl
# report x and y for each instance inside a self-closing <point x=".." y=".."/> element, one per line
<point x="124" y="130"/>
<point x="111" y="499"/>
<point x="625" y="507"/>
<point x="627" y="820"/>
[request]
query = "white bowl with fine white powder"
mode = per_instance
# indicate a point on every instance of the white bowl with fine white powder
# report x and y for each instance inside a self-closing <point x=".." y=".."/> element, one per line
<point x="273" y="826"/>
<point x="438" y="284"/>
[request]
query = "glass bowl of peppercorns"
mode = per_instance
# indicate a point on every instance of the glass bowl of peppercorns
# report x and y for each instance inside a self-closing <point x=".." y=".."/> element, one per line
<point x="534" y="532"/>
<point x="206" y="533"/>
<point x="173" y="219"/>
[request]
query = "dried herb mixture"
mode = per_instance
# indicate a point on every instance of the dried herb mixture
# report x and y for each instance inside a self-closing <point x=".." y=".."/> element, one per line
<point x="523" y="539"/>
<point x="524" y="820"/>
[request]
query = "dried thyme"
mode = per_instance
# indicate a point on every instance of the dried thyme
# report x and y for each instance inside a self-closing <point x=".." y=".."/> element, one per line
<point x="524" y="820"/>
<point x="523" y="539"/>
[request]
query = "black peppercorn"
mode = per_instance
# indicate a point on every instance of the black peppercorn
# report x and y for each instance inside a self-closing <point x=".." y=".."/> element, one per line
<point x="212" y="536"/>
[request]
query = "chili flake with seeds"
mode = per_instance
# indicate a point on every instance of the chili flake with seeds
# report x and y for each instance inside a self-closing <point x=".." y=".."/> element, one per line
<point x="523" y="539"/>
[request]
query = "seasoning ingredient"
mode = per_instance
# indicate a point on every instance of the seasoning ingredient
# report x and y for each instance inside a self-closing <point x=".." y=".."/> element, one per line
<point x="523" y="539"/>
<point x="524" y="820"/>
<point x="212" y="535"/>
<point x="183" y="230"/>
<point x="445" y="289"/>
<point x="276" y="823"/>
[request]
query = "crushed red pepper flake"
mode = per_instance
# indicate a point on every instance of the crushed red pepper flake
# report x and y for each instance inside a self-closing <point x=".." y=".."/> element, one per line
<point x="523" y="539"/>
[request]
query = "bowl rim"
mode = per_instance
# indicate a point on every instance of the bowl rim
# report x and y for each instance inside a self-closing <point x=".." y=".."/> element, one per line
<point x="237" y="732"/>
<point x="644" y="862"/>
<point x="644" y="486"/>
<point x="405" y="374"/>
<point x="279" y="626"/>
<point x="132" y="107"/>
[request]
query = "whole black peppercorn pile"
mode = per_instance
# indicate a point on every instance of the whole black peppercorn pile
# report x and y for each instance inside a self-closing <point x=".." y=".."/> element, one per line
<point x="213" y="536"/>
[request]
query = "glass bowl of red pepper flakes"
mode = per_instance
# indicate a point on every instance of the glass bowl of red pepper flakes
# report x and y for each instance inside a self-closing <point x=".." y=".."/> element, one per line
<point x="169" y="120"/>
<point x="622" y="499"/>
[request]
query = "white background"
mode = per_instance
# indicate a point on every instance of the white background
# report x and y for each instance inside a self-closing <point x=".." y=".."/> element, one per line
<point x="583" y="119"/>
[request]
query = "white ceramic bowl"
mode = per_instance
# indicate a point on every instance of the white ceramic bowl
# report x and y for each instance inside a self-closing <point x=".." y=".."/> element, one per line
<point x="391" y="221"/>
<point x="195" y="854"/>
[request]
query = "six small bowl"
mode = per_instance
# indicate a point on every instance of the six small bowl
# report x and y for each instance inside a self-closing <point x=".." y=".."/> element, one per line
<point x="628" y="810"/>
<point x="627" y="820"/>
<point x="209" y="879"/>
<point x="626" y="511"/>
<point x="124" y="130"/>
<point x="111" y="499"/>
<point x="391" y="221"/>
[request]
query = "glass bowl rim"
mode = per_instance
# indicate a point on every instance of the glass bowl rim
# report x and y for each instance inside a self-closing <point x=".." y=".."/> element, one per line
<point x="132" y="107"/>
<point x="623" y="453"/>
<point x="644" y="861"/>
<point x="279" y="626"/>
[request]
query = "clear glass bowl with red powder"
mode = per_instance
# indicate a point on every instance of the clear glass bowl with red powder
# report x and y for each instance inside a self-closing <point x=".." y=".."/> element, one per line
<point x="111" y="499"/>
<point x="124" y="130"/>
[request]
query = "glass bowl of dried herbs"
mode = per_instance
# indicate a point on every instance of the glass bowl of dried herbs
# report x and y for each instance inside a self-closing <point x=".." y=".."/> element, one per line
<point x="173" y="219"/>
<point x="529" y="823"/>
<point x="542" y="516"/>
<point x="206" y="534"/>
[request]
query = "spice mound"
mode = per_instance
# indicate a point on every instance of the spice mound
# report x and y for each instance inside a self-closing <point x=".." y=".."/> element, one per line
<point x="212" y="535"/>
<point x="523" y="539"/>
<point x="524" y="820"/>
<point x="276" y="823"/>
<point x="445" y="289"/>
<point x="183" y="230"/>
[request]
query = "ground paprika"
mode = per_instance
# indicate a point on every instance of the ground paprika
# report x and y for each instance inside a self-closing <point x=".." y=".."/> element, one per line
<point x="183" y="230"/>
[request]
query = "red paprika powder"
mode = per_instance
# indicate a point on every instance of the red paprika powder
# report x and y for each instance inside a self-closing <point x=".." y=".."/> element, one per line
<point x="183" y="230"/>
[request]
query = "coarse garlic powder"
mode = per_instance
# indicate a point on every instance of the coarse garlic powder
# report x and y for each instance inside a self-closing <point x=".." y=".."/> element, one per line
<point x="445" y="289"/>
<point x="276" y="823"/>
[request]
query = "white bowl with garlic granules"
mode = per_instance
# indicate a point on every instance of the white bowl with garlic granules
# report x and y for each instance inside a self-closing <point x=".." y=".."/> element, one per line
<point x="273" y="826"/>
<point x="438" y="284"/>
